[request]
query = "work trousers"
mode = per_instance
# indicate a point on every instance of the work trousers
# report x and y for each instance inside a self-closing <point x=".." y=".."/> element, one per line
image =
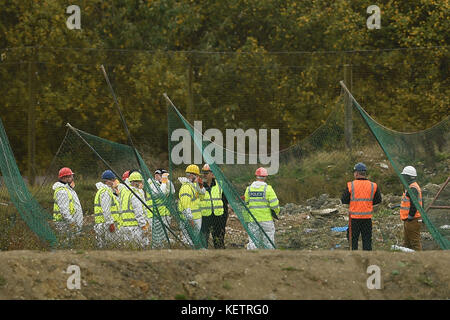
<point x="194" y="225"/>
<point x="159" y="239"/>
<point x="134" y="236"/>
<point x="361" y="227"/>
<point x="216" y="226"/>
<point x="260" y="237"/>
<point x="412" y="234"/>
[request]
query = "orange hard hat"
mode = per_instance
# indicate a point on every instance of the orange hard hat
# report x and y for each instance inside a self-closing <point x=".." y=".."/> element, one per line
<point x="125" y="175"/>
<point x="261" y="172"/>
<point x="65" y="172"/>
<point x="206" y="167"/>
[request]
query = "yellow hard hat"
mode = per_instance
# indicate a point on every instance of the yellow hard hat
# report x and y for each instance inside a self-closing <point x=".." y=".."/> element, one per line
<point x="135" y="176"/>
<point x="193" y="169"/>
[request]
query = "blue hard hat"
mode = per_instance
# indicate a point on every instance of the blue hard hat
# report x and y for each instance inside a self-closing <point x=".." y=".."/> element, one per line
<point x="360" y="167"/>
<point x="108" y="175"/>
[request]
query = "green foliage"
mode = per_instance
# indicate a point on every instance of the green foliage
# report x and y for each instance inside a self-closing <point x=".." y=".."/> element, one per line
<point x="243" y="84"/>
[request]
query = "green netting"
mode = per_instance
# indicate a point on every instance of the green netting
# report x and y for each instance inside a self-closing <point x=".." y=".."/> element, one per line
<point x="425" y="150"/>
<point x="320" y="165"/>
<point x="32" y="213"/>
<point x="293" y="92"/>
<point x="88" y="156"/>
<point x="197" y="145"/>
<point x="438" y="209"/>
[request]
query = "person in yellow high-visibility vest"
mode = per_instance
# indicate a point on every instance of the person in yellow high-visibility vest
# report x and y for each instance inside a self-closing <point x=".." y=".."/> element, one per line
<point x="107" y="210"/>
<point x="263" y="205"/>
<point x="214" y="210"/>
<point x="190" y="195"/>
<point x="67" y="210"/>
<point x="162" y="189"/>
<point x="135" y="226"/>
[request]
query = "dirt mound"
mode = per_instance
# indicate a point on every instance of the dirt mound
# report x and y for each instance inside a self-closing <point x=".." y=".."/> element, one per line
<point x="224" y="274"/>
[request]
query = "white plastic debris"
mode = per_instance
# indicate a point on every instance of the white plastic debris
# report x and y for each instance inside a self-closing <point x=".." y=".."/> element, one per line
<point x="383" y="165"/>
<point x="445" y="226"/>
<point x="400" y="248"/>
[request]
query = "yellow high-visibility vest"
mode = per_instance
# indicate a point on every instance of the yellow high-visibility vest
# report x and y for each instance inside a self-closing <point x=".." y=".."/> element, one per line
<point x="189" y="198"/>
<point x="212" y="202"/>
<point x="57" y="216"/>
<point x="260" y="202"/>
<point x="98" y="210"/>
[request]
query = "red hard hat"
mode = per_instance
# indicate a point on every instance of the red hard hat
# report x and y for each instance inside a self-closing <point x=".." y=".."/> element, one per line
<point x="261" y="172"/>
<point x="125" y="175"/>
<point x="64" y="172"/>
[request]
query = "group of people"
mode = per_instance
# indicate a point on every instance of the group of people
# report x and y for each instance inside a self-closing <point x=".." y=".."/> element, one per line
<point x="124" y="212"/>
<point x="362" y="194"/>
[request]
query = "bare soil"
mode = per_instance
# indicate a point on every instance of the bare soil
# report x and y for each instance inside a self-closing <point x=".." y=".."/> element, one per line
<point x="224" y="274"/>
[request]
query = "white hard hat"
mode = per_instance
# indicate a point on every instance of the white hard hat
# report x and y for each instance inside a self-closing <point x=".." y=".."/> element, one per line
<point x="410" y="171"/>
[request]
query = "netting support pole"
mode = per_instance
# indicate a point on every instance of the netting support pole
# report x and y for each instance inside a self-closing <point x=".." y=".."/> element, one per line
<point x="185" y="122"/>
<point x="115" y="173"/>
<point x="348" y="110"/>
<point x="442" y="242"/>
<point x="31" y="126"/>
<point x="430" y="206"/>
<point x="132" y="145"/>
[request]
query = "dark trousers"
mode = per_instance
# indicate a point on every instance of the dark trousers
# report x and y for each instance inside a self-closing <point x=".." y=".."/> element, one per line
<point x="216" y="226"/>
<point x="361" y="227"/>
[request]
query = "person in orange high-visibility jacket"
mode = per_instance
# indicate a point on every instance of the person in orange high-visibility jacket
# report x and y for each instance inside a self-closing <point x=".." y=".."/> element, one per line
<point x="408" y="212"/>
<point x="361" y="195"/>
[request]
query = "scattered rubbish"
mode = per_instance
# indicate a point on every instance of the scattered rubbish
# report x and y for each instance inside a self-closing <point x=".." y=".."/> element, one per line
<point x="383" y="165"/>
<point x="339" y="229"/>
<point x="400" y="248"/>
<point x="445" y="226"/>
<point x="310" y="230"/>
<point x="325" y="212"/>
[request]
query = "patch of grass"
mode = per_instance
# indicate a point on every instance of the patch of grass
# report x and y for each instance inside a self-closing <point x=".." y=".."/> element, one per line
<point x="226" y="285"/>
<point x="395" y="272"/>
<point x="2" y="281"/>
<point x="426" y="280"/>
<point x="180" y="296"/>
<point x="290" y="269"/>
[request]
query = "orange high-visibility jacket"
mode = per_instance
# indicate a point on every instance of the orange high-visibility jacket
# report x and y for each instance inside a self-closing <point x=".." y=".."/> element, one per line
<point x="361" y="198"/>
<point x="405" y="205"/>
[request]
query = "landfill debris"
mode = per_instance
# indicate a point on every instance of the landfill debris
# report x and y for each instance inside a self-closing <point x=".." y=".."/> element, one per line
<point x="400" y="248"/>
<point x="339" y="229"/>
<point x="383" y="165"/>
<point x="445" y="226"/>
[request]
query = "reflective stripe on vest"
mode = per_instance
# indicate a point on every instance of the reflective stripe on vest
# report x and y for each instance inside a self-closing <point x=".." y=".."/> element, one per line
<point x="57" y="216"/>
<point x="98" y="210"/>
<point x="128" y="217"/>
<point x="258" y="204"/>
<point x="196" y="210"/>
<point x="361" y="200"/>
<point x="405" y="204"/>
<point x="212" y="202"/>
<point x="149" y="203"/>
<point x="161" y="200"/>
